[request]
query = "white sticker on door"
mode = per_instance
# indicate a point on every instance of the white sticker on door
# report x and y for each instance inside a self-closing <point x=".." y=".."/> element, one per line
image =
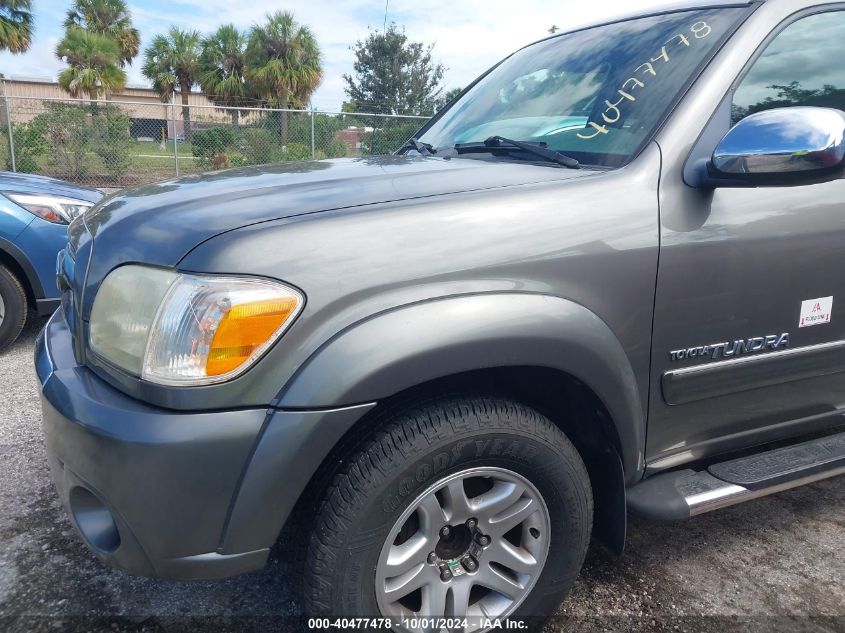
<point x="815" y="311"/>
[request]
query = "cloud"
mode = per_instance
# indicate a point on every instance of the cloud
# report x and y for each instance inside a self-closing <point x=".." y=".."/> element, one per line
<point x="40" y="62"/>
<point x="469" y="35"/>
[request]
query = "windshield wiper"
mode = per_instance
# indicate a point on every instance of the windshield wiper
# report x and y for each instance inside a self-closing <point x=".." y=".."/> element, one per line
<point x="426" y="149"/>
<point x="537" y="149"/>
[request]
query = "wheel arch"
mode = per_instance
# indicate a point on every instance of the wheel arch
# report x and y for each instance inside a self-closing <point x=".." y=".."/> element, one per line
<point x="15" y="260"/>
<point x="548" y="353"/>
<point x="403" y="349"/>
<point x="570" y="404"/>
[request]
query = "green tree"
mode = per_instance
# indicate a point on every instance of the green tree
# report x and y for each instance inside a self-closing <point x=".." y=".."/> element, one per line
<point x="260" y="146"/>
<point x="222" y="67"/>
<point x="387" y="136"/>
<point x="210" y="143"/>
<point x="15" y="25"/>
<point x="393" y="75"/>
<point x="66" y="130"/>
<point x="447" y="98"/>
<point x="111" y="140"/>
<point x="93" y="64"/>
<point x="171" y="62"/>
<point x="351" y="118"/>
<point x="283" y="63"/>
<point x="792" y="94"/>
<point x="29" y="146"/>
<point x="109" y="18"/>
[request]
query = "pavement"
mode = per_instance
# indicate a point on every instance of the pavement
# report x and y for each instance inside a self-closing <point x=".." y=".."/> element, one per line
<point x="770" y="565"/>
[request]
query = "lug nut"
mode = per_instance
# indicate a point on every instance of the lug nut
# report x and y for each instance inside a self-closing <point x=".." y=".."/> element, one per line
<point x="483" y="540"/>
<point x="431" y="558"/>
<point x="445" y="531"/>
<point x="469" y="563"/>
<point x="445" y="574"/>
<point x="471" y="523"/>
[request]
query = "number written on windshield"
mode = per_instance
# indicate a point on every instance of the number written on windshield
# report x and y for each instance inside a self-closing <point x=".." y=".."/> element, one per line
<point x="612" y="114"/>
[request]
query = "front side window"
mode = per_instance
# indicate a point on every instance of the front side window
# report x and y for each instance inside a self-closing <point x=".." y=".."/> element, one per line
<point x="595" y="94"/>
<point x="804" y="65"/>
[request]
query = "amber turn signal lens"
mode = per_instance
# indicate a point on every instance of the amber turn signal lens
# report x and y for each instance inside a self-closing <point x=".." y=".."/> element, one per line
<point x="243" y="329"/>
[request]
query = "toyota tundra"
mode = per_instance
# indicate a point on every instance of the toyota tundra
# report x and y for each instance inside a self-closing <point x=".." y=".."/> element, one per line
<point x="600" y="281"/>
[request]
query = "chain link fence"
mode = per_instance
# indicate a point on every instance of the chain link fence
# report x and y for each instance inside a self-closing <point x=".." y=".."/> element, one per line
<point x="126" y="143"/>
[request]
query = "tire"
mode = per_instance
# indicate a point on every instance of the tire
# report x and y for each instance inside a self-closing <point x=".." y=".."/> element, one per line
<point x="13" y="307"/>
<point x="379" y="505"/>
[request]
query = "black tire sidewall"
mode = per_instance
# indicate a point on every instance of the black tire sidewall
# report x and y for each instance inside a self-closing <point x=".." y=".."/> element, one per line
<point x="14" y="298"/>
<point x="527" y="445"/>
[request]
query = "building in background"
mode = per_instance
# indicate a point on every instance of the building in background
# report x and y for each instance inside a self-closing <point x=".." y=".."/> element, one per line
<point x="150" y="116"/>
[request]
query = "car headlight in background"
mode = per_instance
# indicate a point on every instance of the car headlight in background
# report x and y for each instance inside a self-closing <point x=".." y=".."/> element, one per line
<point x="180" y="329"/>
<point x="55" y="209"/>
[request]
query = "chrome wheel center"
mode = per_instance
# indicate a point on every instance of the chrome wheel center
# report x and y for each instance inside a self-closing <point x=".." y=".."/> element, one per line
<point x="473" y="544"/>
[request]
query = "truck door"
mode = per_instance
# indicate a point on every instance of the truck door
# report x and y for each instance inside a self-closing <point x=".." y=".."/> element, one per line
<point x="749" y="329"/>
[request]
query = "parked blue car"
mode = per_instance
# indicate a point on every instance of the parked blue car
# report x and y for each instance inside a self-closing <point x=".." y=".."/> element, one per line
<point x="34" y="214"/>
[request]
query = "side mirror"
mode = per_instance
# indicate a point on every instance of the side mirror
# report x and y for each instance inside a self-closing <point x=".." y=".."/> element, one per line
<point x="783" y="146"/>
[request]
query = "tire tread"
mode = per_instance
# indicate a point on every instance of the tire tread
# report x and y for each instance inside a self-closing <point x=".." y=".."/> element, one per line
<point x="16" y="308"/>
<point x="392" y="441"/>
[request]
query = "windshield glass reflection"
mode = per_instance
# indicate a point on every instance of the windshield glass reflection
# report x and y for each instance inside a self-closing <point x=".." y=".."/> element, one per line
<point x="594" y="94"/>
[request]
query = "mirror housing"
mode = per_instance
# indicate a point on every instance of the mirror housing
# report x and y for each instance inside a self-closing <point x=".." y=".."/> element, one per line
<point x="780" y="147"/>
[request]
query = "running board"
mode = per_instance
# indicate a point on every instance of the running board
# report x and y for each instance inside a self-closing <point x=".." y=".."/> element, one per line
<point x="685" y="493"/>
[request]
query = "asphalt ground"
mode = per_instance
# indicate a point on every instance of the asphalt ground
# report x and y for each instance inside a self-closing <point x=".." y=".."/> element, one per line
<point x="771" y="565"/>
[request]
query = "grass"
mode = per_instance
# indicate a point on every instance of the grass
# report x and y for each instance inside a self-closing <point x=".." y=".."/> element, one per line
<point x="147" y="148"/>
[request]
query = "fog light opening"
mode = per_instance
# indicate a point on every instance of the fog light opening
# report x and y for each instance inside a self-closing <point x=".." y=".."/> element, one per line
<point x="94" y="520"/>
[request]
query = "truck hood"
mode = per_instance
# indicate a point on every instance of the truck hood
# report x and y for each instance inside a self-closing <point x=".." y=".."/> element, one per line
<point x="161" y="223"/>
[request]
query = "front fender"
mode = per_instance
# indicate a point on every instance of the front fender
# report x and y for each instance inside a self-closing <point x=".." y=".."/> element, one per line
<point x="407" y="346"/>
<point x="14" y="253"/>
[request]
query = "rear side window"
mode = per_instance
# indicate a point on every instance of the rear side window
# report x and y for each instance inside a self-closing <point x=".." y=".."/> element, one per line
<point x="804" y="65"/>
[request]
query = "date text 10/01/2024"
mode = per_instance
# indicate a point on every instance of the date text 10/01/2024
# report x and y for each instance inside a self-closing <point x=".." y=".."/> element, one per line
<point x="417" y="623"/>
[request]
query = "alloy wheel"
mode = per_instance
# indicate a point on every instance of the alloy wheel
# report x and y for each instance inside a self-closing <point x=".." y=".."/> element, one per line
<point x="473" y="544"/>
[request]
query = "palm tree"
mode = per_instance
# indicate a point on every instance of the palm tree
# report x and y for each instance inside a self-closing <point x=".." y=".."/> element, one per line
<point x="283" y="62"/>
<point x="171" y="62"/>
<point x="221" y="69"/>
<point x="93" y="64"/>
<point x="15" y="25"/>
<point x="110" y="18"/>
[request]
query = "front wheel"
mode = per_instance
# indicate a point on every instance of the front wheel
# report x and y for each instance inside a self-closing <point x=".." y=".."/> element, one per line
<point x="13" y="307"/>
<point x="475" y="508"/>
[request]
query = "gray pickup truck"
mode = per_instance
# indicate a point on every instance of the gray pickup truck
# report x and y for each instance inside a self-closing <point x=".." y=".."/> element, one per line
<point x="600" y="281"/>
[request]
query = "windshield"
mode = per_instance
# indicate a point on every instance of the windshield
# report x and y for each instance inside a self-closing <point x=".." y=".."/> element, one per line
<point x="595" y="95"/>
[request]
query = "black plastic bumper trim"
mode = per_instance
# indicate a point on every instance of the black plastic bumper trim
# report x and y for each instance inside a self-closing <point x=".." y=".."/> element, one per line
<point x="46" y="307"/>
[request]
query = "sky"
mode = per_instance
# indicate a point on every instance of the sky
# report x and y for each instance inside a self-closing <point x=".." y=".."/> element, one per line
<point x="469" y="35"/>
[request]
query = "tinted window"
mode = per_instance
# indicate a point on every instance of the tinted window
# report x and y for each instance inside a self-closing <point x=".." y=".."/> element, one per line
<point x="594" y="94"/>
<point x="804" y="65"/>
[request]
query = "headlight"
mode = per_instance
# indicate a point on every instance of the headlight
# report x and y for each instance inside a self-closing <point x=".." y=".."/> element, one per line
<point x="180" y="329"/>
<point x="55" y="209"/>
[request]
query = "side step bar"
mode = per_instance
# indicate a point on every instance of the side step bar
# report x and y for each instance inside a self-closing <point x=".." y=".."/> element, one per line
<point x="684" y="493"/>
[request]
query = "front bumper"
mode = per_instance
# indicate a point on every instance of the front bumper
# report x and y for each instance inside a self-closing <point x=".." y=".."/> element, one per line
<point x="171" y="494"/>
<point x="148" y="489"/>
